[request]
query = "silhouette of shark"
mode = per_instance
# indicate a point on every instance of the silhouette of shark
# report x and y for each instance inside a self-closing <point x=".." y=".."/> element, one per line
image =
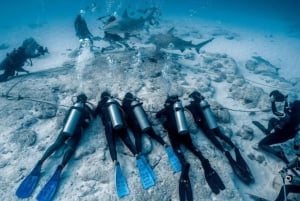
<point x="163" y="40"/>
<point x="127" y="25"/>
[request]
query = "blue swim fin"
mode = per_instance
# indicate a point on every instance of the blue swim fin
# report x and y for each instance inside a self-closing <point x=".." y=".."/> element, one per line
<point x="173" y="159"/>
<point x="146" y="173"/>
<point x="148" y="167"/>
<point x="28" y="185"/>
<point x="120" y="182"/>
<point x="48" y="191"/>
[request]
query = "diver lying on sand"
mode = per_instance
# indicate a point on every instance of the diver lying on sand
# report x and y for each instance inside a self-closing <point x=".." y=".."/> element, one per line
<point x="205" y="120"/>
<point x="82" y="31"/>
<point x="139" y="123"/>
<point x="15" y="60"/>
<point x="176" y="126"/>
<point x="112" y="118"/>
<point x="76" y="121"/>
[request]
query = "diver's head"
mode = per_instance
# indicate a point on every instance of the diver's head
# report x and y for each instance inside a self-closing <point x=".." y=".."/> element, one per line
<point x="171" y="100"/>
<point x="105" y="95"/>
<point x="82" y="12"/>
<point x="129" y="95"/>
<point x="81" y="98"/>
<point x="196" y="96"/>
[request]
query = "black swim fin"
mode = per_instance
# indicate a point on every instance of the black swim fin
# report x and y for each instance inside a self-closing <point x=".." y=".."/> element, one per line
<point x="240" y="167"/>
<point x="212" y="178"/>
<point x="185" y="188"/>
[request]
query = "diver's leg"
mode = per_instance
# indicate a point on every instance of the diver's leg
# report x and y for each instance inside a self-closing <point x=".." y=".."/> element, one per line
<point x="71" y="147"/>
<point x="222" y="136"/>
<point x="126" y="139"/>
<point x="189" y="144"/>
<point x="211" y="136"/>
<point x="211" y="176"/>
<point x="56" y="145"/>
<point x="109" y="134"/>
<point x="138" y="139"/>
<point x="156" y="137"/>
<point x="274" y="138"/>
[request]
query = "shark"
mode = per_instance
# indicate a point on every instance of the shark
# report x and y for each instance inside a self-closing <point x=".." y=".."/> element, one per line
<point x="127" y="25"/>
<point x="163" y="40"/>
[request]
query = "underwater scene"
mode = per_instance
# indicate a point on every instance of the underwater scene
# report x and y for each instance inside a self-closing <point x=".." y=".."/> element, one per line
<point x="150" y="100"/>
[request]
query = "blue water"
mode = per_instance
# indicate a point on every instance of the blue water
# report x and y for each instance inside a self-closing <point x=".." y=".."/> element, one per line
<point x="15" y="12"/>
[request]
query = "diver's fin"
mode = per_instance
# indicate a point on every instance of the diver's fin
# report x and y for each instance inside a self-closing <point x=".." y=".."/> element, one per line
<point x="120" y="182"/>
<point x="28" y="185"/>
<point x="48" y="191"/>
<point x="173" y="159"/>
<point x="212" y="178"/>
<point x="261" y="127"/>
<point x="241" y="161"/>
<point x="185" y="188"/>
<point x="146" y="176"/>
<point x="239" y="170"/>
<point x="148" y="167"/>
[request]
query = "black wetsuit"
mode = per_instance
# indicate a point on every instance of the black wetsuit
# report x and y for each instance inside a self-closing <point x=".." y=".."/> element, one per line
<point x="284" y="129"/>
<point x="81" y="28"/>
<point x="13" y="62"/>
<point x="71" y="142"/>
<point x="211" y="134"/>
<point x="111" y="133"/>
<point x="134" y="126"/>
<point x="176" y="139"/>
<point x="239" y="165"/>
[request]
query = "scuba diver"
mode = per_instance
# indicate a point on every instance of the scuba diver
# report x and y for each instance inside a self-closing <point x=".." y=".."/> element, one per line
<point x="282" y="129"/>
<point x="76" y="121"/>
<point x="15" y="60"/>
<point x="139" y="123"/>
<point x="178" y="132"/>
<point x="82" y="31"/>
<point x="205" y="120"/>
<point x="33" y="49"/>
<point x="113" y="120"/>
<point x="13" y="63"/>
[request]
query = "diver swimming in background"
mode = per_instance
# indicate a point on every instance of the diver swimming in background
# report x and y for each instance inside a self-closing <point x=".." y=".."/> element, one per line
<point x="205" y="120"/>
<point x="282" y="129"/>
<point x="113" y="120"/>
<point x="178" y="132"/>
<point x="82" y="31"/>
<point x="139" y="123"/>
<point x="76" y="121"/>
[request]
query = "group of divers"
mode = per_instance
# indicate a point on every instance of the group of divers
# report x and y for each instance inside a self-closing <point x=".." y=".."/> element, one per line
<point x="118" y="118"/>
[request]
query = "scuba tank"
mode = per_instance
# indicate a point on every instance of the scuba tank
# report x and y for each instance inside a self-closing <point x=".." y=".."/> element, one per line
<point x="181" y="123"/>
<point x="140" y="115"/>
<point x="73" y="119"/>
<point x="114" y="114"/>
<point x="209" y="116"/>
